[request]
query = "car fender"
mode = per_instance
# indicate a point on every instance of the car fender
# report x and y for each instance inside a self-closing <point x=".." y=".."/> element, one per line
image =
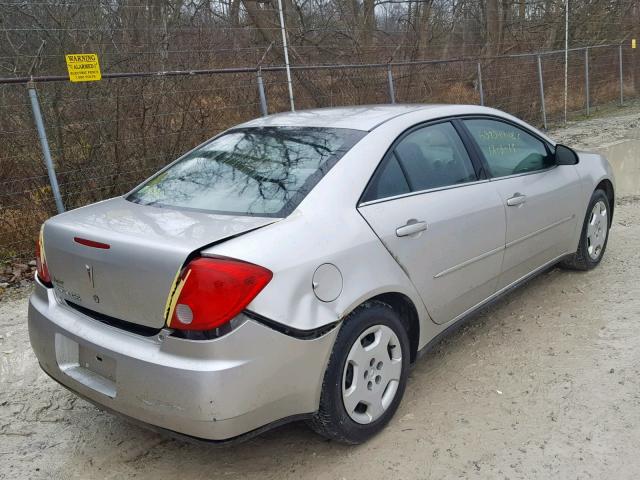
<point x="592" y="168"/>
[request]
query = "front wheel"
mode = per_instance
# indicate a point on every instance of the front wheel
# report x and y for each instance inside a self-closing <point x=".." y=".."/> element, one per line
<point x="594" y="236"/>
<point x="366" y="375"/>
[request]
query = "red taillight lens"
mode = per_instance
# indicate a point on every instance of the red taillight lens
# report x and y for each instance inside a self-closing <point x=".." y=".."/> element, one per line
<point x="211" y="291"/>
<point x="91" y="243"/>
<point x="41" y="263"/>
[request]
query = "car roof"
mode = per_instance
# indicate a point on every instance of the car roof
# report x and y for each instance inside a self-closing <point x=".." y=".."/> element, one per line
<point x="368" y="117"/>
<point x="362" y="117"/>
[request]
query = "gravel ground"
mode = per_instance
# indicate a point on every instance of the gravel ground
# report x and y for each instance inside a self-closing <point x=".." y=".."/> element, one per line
<point x="544" y="384"/>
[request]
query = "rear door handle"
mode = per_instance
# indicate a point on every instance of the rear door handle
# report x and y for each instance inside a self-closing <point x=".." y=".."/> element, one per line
<point x="517" y="199"/>
<point x="411" y="228"/>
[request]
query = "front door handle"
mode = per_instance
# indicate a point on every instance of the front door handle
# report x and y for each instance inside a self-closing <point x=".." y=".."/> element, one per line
<point x="517" y="199"/>
<point x="411" y="228"/>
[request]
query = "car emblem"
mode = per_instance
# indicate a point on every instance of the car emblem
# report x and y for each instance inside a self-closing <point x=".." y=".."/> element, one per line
<point x="89" y="269"/>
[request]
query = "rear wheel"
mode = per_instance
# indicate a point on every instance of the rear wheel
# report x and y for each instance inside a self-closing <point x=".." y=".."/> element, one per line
<point x="594" y="236"/>
<point x="366" y="375"/>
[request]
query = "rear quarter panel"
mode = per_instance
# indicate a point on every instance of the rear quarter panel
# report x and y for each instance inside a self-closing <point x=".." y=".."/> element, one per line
<point x="295" y="247"/>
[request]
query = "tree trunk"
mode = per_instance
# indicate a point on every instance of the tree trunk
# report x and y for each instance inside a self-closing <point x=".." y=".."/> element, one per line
<point x="369" y="22"/>
<point x="493" y="28"/>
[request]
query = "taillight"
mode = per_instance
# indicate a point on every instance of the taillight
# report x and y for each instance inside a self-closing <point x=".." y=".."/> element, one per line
<point x="41" y="261"/>
<point x="211" y="291"/>
<point x="91" y="243"/>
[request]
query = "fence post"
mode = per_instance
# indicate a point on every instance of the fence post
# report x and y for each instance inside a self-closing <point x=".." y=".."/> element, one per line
<point x="392" y="93"/>
<point x="480" y="85"/>
<point x="263" y="98"/>
<point x="541" y="83"/>
<point x="286" y="55"/>
<point x="621" y="76"/>
<point x="44" y="143"/>
<point x="586" y="80"/>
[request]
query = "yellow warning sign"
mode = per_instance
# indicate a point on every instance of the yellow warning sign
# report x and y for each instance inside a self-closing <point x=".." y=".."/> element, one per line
<point x="633" y="43"/>
<point x="83" y="67"/>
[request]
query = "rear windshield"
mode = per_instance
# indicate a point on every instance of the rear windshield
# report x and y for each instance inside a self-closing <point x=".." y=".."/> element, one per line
<point x="252" y="171"/>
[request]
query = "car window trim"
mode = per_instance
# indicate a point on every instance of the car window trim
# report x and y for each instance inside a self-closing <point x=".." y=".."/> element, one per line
<point x="391" y="152"/>
<point x="422" y="192"/>
<point x="472" y="148"/>
<point x="548" y="147"/>
<point x="514" y="175"/>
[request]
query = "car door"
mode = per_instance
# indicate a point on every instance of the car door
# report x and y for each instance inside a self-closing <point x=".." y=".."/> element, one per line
<point x="443" y="225"/>
<point x="540" y="197"/>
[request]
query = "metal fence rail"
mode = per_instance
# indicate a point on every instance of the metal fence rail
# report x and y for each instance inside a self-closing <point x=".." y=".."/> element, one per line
<point x="66" y="145"/>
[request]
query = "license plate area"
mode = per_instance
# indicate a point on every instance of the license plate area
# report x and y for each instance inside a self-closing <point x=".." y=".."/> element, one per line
<point x="86" y="365"/>
<point x="97" y="363"/>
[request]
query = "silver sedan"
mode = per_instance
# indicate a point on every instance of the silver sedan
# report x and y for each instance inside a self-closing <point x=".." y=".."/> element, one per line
<point x="295" y="266"/>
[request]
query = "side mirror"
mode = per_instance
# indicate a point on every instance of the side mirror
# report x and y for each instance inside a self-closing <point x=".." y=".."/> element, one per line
<point x="565" y="155"/>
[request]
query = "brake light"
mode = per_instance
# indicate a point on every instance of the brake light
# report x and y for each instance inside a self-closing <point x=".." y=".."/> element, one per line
<point x="91" y="243"/>
<point x="41" y="261"/>
<point x="211" y="291"/>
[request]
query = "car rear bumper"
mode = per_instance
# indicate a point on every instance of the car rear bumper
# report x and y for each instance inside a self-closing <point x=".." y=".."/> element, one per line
<point x="210" y="389"/>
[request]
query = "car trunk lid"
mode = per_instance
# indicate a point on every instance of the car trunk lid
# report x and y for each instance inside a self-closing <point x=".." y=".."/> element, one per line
<point x="120" y="259"/>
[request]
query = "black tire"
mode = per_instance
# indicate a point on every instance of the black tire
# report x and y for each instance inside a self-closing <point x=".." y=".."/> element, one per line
<point x="332" y="420"/>
<point x="581" y="260"/>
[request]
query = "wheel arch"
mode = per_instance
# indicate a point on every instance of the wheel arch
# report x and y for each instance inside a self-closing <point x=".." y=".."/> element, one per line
<point x="408" y="314"/>
<point x="607" y="187"/>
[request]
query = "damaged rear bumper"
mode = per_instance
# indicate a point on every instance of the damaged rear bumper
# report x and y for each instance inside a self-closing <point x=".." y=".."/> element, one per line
<point x="249" y="379"/>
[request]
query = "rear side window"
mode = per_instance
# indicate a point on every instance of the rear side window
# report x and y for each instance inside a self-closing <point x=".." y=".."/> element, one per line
<point x="253" y="171"/>
<point x="430" y="157"/>
<point x="433" y="157"/>
<point x="389" y="181"/>
<point x="508" y="150"/>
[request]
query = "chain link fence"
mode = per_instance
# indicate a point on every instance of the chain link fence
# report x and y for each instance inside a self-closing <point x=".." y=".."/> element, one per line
<point x="105" y="137"/>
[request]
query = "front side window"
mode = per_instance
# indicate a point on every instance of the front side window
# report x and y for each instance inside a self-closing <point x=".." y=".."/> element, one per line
<point x="253" y="171"/>
<point x="508" y="149"/>
<point x="434" y="156"/>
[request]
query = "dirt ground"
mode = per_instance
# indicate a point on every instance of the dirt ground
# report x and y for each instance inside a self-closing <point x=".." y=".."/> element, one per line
<point x="544" y="384"/>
